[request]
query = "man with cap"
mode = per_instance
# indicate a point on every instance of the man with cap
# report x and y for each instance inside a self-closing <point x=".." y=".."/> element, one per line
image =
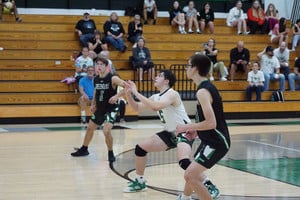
<point x="270" y="66"/>
<point x="85" y="28"/>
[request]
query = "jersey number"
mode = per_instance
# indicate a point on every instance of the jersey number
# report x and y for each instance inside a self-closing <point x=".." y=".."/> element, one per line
<point x="101" y="95"/>
<point x="161" y="116"/>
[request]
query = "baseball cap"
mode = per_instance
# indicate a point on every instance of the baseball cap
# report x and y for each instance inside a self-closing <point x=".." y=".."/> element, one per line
<point x="269" y="48"/>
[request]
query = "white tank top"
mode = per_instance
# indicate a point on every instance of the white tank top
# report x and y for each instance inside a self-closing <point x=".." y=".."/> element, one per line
<point x="172" y="116"/>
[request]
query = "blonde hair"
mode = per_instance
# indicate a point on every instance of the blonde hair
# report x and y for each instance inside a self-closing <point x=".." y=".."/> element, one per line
<point x="272" y="13"/>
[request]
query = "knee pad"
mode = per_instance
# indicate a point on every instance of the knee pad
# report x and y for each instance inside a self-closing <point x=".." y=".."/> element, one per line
<point x="184" y="163"/>
<point x="139" y="151"/>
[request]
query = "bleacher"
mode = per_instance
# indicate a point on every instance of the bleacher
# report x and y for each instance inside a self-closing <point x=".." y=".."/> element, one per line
<point x="37" y="54"/>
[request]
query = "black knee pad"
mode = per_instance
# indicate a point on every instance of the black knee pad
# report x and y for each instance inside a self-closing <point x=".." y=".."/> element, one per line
<point x="184" y="163"/>
<point x="139" y="151"/>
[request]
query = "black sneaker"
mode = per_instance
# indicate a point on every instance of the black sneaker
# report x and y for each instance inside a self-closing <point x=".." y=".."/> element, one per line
<point x="145" y="22"/>
<point x="111" y="157"/>
<point x="80" y="152"/>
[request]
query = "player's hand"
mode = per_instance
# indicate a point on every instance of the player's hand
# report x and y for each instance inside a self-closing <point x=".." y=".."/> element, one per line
<point x="132" y="86"/>
<point x="191" y="135"/>
<point x="180" y="129"/>
<point x="93" y="108"/>
<point x="113" y="99"/>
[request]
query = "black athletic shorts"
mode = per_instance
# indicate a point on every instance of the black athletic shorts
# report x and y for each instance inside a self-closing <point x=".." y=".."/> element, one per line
<point x="109" y="117"/>
<point x="239" y="67"/>
<point x="208" y="156"/>
<point x="150" y="14"/>
<point x="169" y="138"/>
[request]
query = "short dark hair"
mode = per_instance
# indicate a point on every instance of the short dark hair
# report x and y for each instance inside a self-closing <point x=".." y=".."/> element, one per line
<point x="103" y="60"/>
<point x="169" y="75"/>
<point x="202" y="63"/>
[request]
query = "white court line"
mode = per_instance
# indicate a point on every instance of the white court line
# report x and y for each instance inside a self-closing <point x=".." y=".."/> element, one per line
<point x="3" y="130"/>
<point x="273" y="145"/>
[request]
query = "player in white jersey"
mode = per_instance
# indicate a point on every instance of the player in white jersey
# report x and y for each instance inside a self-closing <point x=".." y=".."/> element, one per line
<point x="171" y="112"/>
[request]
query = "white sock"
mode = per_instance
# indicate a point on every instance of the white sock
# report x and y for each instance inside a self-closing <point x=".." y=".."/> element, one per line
<point x="206" y="179"/>
<point x="83" y="114"/>
<point x="140" y="178"/>
<point x="184" y="197"/>
<point x="179" y="28"/>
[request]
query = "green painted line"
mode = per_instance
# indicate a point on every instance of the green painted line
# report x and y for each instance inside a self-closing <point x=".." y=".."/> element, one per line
<point x="286" y="170"/>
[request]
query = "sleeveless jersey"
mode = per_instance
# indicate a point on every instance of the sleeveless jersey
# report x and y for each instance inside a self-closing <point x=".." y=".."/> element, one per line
<point x="220" y="135"/>
<point x="171" y="116"/>
<point x="104" y="91"/>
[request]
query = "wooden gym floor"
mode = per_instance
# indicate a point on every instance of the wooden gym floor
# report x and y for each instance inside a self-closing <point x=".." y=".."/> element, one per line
<point x="263" y="163"/>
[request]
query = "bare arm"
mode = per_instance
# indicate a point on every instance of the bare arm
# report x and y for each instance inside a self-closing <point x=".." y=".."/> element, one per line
<point x="259" y="55"/>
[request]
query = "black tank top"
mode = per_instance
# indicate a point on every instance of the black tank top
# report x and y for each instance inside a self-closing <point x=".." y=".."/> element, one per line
<point x="220" y="135"/>
<point x="104" y="91"/>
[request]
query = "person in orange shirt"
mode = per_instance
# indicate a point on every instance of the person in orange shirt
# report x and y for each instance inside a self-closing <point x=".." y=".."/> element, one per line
<point x="257" y="19"/>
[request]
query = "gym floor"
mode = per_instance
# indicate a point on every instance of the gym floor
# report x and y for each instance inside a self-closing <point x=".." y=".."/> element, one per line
<point x="263" y="163"/>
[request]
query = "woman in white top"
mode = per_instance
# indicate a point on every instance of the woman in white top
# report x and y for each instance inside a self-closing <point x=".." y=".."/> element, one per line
<point x="236" y="18"/>
<point x="191" y="16"/>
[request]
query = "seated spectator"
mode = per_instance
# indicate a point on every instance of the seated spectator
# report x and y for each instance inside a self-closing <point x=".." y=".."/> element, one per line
<point x="150" y="11"/>
<point x="81" y="64"/>
<point x="294" y="78"/>
<point x="86" y="89"/>
<point x="114" y="32"/>
<point x="135" y="30"/>
<point x="236" y="18"/>
<point x="105" y="54"/>
<point x="141" y="59"/>
<point x="256" y="82"/>
<point x="239" y="59"/>
<point x="191" y="18"/>
<point x="211" y="51"/>
<point x="283" y="55"/>
<point x="272" y="16"/>
<point x="9" y="7"/>
<point x="85" y="28"/>
<point x="207" y="17"/>
<point x="280" y="32"/>
<point x="296" y="35"/>
<point x="177" y="17"/>
<point x="271" y="68"/>
<point x="257" y="19"/>
<point x="96" y="45"/>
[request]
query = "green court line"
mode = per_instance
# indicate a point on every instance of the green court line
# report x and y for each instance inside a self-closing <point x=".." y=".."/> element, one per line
<point x="75" y="128"/>
<point x="286" y="170"/>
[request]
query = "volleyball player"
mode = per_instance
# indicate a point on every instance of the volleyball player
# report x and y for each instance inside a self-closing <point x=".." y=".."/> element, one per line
<point x="104" y="108"/>
<point x="211" y="128"/>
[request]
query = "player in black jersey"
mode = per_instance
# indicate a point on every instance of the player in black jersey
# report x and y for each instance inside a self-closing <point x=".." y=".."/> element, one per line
<point x="210" y="125"/>
<point x="104" y="108"/>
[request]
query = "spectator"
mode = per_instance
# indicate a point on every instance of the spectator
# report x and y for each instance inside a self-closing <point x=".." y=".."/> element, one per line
<point x="191" y="17"/>
<point x="295" y="77"/>
<point x="135" y="30"/>
<point x="211" y="51"/>
<point x="239" y="59"/>
<point x="207" y="18"/>
<point x="256" y="82"/>
<point x="86" y="89"/>
<point x="105" y="54"/>
<point x="85" y="29"/>
<point x="141" y="59"/>
<point x="96" y="45"/>
<point x="296" y="32"/>
<point x="270" y="67"/>
<point x="177" y="17"/>
<point x="257" y="19"/>
<point x="283" y="55"/>
<point x="272" y="16"/>
<point x="236" y="18"/>
<point x="81" y="64"/>
<point x="280" y="32"/>
<point x="114" y="32"/>
<point x="150" y="11"/>
<point x="7" y="6"/>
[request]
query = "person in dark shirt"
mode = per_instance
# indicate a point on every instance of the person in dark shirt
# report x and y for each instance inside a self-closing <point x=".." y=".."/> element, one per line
<point x="294" y="78"/>
<point x="96" y="45"/>
<point x="9" y="6"/>
<point x="177" y="17"/>
<point x="104" y="107"/>
<point x="239" y="59"/>
<point x="135" y="30"/>
<point x="210" y="126"/>
<point x="142" y="59"/>
<point x="207" y="18"/>
<point x="85" y="28"/>
<point x="114" y="32"/>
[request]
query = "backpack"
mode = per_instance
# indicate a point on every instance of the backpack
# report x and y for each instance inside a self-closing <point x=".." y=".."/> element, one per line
<point x="277" y="96"/>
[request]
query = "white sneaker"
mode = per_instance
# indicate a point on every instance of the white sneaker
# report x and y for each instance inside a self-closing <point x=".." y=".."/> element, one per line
<point x="190" y="31"/>
<point x="179" y="197"/>
<point x="211" y="78"/>
<point x="1" y="48"/>
<point x="198" y="31"/>
<point x="246" y="33"/>
<point x="134" y="46"/>
<point x="293" y="49"/>
<point x="223" y="79"/>
<point x="239" y="33"/>
<point x="270" y="33"/>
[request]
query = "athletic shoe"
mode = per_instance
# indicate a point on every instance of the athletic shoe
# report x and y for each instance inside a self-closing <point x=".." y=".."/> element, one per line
<point x="19" y="19"/>
<point x="190" y="31"/>
<point x="135" y="186"/>
<point x="80" y="152"/>
<point x="111" y="157"/>
<point x="211" y="78"/>
<point x="246" y="33"/>
<point x="179" y="197"/>
<point x="198" y="31"/>
<point x="212" y="189"/>
<point x="145" y="22"/>
<point x="223" y="79"/>
<point x="239" y="33"/>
